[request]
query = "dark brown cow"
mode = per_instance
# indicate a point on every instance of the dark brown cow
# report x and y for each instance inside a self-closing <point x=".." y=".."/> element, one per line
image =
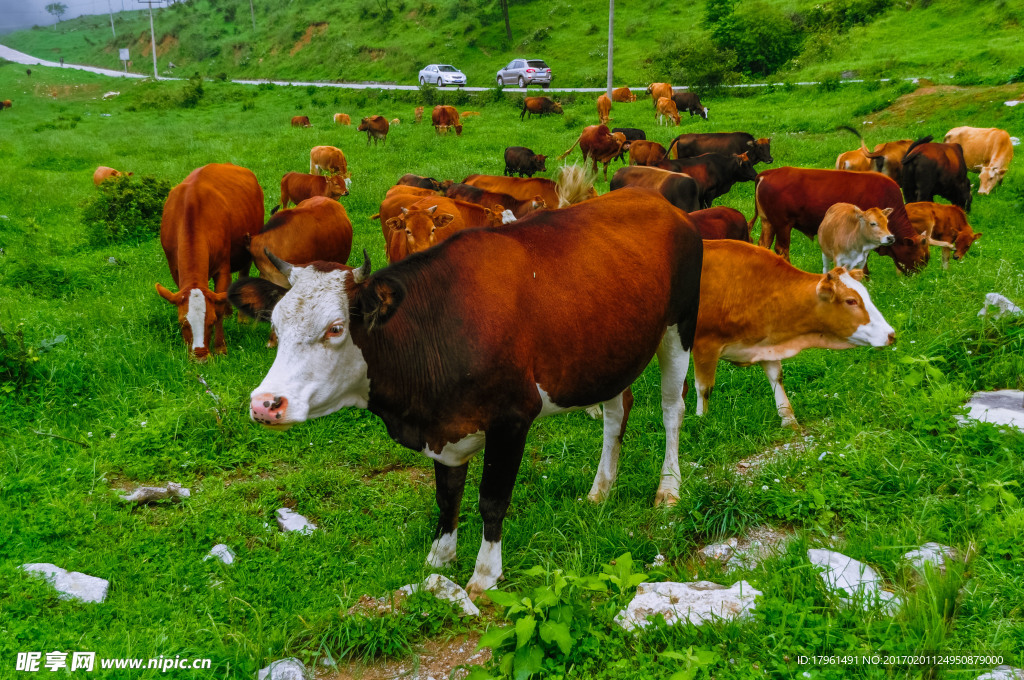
<point x="205" y="221"/>
<point x="788" y="198"/>
<point x="623" y="94"/>
<point x="488" y="199"/>
<point x="714" y="173"/>
<point x="523" y="161"/>
<point x="539" y="106"/>
<point x="688" y="101"/>
<point x="298" y="186"/>
<point x="728" y="143"/>
<point x="376" y="128"/>
<point x="431" y="346"/>
<point x="5" y="104"/>
<point x="931" y="168"/>
<point x="445" y="118"/>
<point x="301" y="121"/>
<point x="678" y="189"/>
<point x="721" y="223"/>
<point x="412" y="180"/>
<point x="597" y="143"/>
<point x="642" y="152"/>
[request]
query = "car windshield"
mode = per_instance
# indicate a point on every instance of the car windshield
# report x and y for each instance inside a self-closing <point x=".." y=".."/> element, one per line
<point x="536" y="63"/>
<point x="447" y="69"/>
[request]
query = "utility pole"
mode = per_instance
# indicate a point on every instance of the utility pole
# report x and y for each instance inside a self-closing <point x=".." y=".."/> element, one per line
<point x="109" y="9"/>
<point x="611" y="33"/>
<point x="252" y="12"/>
<point x="152" y="33"/>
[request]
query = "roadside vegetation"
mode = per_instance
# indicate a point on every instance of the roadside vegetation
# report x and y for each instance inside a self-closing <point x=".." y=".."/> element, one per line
<point x="98" y="397"/>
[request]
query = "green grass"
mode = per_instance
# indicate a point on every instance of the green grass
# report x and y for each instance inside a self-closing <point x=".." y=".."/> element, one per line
<point x="122" y="387"/>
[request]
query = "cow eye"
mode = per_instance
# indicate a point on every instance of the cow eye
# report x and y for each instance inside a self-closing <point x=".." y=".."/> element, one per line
<point x="851" y="301"/>
<point x="335" y="330"/>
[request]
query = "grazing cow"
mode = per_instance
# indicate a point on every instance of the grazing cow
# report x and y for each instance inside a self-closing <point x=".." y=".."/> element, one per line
<point x="642" y="152"/>
<point x="412" y="180"/>
<point x="631" y="134"/>
<point x="5" y="104"/>
<point x="296" y="187"/>
<point x="848" y="234"/>
<point x="659" y="90"/>
<point x="418" y="114"/>
<point x="342" y="119"/>
<point x="688" y="101"/>
<point x="795" y="310"/>
<point x="678" y="189"/>
<point x="604" y="109"/>
<point x="690" y="145"/>
<point x="445" y="118"/>
<point x="523" y="161"/>
<point x="103" y="173"/>
<point x="987" y="151"/>
<point x="931" y="168"/>
<point x="666" y="108"/>
<point x="623" y="94"/>
<point x="467" y="114"/>
<point x="427" y="222"/>
<point x="714" y="173"/>
<point x="721" y="223"/>
<point x="519" y="207"/>
<point x="205" y="221"/>
<point x="597" y="143"/>
<point x="376" y="128"/>
<point x="787" y="198"/>
<point x="944" y="226"/>
<point x="328" y="159"/>
<point x="301" y="121"/>
<point x="887" y="158"/>
<point x="396" y="121"/>
<point x="431" y="347"/>
<point x="539" y="106"/>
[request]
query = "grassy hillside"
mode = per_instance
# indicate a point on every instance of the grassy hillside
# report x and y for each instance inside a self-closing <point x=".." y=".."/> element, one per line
<point x="390" y="40"/>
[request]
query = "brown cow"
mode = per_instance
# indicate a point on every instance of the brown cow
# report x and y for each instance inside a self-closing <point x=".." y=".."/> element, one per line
<point x="597" y="143"/>
<point x="296" y="187"/>
<point x="848" y="234"/>
<point x="573" y="186"/>
<point x="623" y="94"/>
<point x="944" y="226"/>
<point x="445" y="118"/>
<point x="424" y="224"/>
<point x="539" y="106"/>
<point x="678" y="189"/>
<point x="205" y="221"/>
<point x="471" y="194"/>
<point x="887" y="157"/>
<point x="666" y="108"/>
<point x="721" y="223"/>
<point x="376" y="128"/>
<point x="301" y="121"/>
<point x="5" y="104"/>
<point x="467" y="114"/>
<point x="418" y="114"/>
<point x="328" y="160"/>
<point x="659" y="90"/>
<point x="342" y="119"/>
<point x="987" y="151"/>
<point x="412" y="180"/>
<point x="931" y="168"/>
<point x="689" y="145"/>
<point x="604" y="109"/>
<point x="690" y="102"/>
<point x="103" y="173"/>
<point x="642" y="152"/>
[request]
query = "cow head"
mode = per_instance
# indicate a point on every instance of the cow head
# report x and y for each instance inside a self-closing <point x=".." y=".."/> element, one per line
<point x="458" y="129"/>
<point x="364" y="125"/>
<point x="991" y="177"/>
<point x="874" y="225"/>
<point x="910" y="254"/>
<point x="704" y="113"/>
<point x="539" y="163"/>
<point x="745" y="167"/>
<point x="337" y="186"/>
<point x="419" y="226"/>
<point x="760" y="151"/>
<point x="200" y="311"/>
<point x="847" y="313"/>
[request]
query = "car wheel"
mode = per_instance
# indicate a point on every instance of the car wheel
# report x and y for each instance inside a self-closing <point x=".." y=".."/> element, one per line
<point x="501" y="82"/>
<point x="439" y="83"/>
<point x="522" y="83"/>
<point x="546" y="85"/>
<point x="422" y="82"/>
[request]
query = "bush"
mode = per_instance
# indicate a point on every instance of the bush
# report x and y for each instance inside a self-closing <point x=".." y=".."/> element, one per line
<point x="17" y="361"/>
<point x="764" y="39"/>
<point x="127" y="210"/>
<point x="193" y="92"/>
<point x="698" y="63"/>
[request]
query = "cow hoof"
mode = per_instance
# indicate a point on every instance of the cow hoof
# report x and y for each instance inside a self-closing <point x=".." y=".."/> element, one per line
<point x="476" y="589"/>
<point x="666" y="499"/>
<point x="791" y="423"/>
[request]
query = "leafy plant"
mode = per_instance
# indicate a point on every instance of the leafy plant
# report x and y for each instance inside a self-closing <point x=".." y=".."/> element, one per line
<point x="17" y="360"/>
<point x="126" y="210"/>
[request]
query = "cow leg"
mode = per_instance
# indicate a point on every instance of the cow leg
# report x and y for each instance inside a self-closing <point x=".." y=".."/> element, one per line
<point x="824" y="263"/>
<point x="503" y="451"/>
<point x="773" y="369"/>
<point x="767" y="233"/>
<point x="674" y="362"/>
<point x="616" y="413"/>
<point x="782" y="237"/>
<point x="220" y="284"/>
<point x="705" y="366"/>
<point x="450" y="483"/>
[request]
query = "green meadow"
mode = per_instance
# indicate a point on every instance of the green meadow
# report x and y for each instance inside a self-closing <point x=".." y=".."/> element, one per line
<point x="98" y="396"/>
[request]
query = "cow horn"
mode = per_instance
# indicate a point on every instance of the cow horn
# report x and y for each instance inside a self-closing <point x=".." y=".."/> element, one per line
<point x="281" y="265"/>
<point x="364" y="271"/>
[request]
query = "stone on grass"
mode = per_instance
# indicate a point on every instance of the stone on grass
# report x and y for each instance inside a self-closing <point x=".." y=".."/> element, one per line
<point x="72" y="585"/>
<point x="1002" y="673"/>
<point x="289" y="520"/>
<point x="1002" y="304"/>
<point x="222" y="553"/>
<point x="934" y="554"/>
<point x="695" y="602"/>
<point x="719" y="551"/>
<point x="148" y="494"/>
<point x="747" y="552"/>
<point x="444" y="589"/>
<point x="1002" y="407"/>
<point x="856" y="579"/>
<point x="284" y="669"/>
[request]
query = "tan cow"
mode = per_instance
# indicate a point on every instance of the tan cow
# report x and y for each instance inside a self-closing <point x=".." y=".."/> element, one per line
<point x="666" y="108"/>
<point x="987" y="151"/>
<point x="103" y="173"/>
<point x="643" y="152"/>
<point x="623" y="94"/>
<point x="848" y="234"/>
<point x="600" y="145"/>
<point x="418" y="113"/>
<point x="376" y="129"/>
<point x="296" y="187"/>
<point x="467" y="114"/>
<point x="659" y="90"/>
<point x="944" y="226"/>
<point x="342" y="119"/>
<point x="328" y="160"/>
<point x="886" y="158"/>
<point x="604" y="109"/>
<point x="396" y="121"/>
<point x="420" y="226"/>
<point x="301" y="121"/>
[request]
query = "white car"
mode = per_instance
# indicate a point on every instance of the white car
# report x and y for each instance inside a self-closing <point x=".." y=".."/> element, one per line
<point x="441" y="75"/>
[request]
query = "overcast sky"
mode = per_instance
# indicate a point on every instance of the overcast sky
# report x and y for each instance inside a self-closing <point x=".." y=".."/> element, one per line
<point x="15" y="14"/>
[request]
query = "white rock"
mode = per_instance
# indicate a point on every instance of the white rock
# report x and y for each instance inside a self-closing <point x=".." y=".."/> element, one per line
<point x="284" y="669"/>
<point x="289" y="520"/>
<point x="1003" y="303"/>
<point x="109" y="95"/>
<point x="147" y="494"/>
<point x="72" y="585"/>
<point x="719" y="551"/>
<point x="695" y="602"/>
<point x="934" y="554"/>
<point x="1015" y="141"/>
<point x="1002" y="407"/>
<point x="222" y="553"/>
<point x="856" y="579"/>
<point x="1002" y="673"/>
<point x="444" y="589"/>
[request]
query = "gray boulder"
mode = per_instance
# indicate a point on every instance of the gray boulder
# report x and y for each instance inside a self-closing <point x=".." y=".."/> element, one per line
<point x="72" y="585"/>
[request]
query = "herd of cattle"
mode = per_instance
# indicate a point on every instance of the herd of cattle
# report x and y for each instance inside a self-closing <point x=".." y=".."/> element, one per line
<point x="511" y="297"/>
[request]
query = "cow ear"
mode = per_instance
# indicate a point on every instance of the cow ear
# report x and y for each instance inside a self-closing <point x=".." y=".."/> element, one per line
<point x="887" y="212"/>
<point x="255" y="297"/>
<point x="378" y="302"/>
<point x="443" y="220"/>
<point x="750" y="143"/>
<point x="856" y="274"/>
<point x="394" y="223"/>
<point x="976" y="237"/>
<point x="173" y="298"/>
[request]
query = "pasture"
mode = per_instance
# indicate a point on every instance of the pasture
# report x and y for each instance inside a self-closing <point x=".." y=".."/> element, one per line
<point x="99" y="396"/>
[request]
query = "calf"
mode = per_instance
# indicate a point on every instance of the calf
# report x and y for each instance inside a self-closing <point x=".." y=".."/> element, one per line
<point x="714" y="173"/>
<point x="103" y="173"/>
<point x="848" y="234"/>
<point x="296" y="187"/>
<point x="678" y="189"/>
<point x="623" y="94"/>
<point x="598" y="144"/>
<point x="688" y="101"/>
<point x="342" y="119"/>
<point x="376" y="128"/>
<point x="604" y="109"/>
<point x="328" y="159"/>
<point x="642" y="152"/>
<point x="301" y="121"/>
<point x="666" y="108"/>
<point x="539" y="106"/>
<point x="523" y="161"/>
<point x="931" y="168"/>
<point x="987" y="151"/>
<point x="721" y="223"/>
<point x="471" y="194"/>
<point x="944" y="226"/>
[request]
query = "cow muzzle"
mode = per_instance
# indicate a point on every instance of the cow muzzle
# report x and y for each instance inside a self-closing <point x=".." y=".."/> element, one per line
<point x="888" y="240"/>
<point x="268" y="409"/>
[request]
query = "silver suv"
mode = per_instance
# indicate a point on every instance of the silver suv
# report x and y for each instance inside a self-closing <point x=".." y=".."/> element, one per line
<point x="525" y="72"/>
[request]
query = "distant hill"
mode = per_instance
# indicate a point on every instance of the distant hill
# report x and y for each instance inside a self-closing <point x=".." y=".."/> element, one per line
<point x="389" y="40"/>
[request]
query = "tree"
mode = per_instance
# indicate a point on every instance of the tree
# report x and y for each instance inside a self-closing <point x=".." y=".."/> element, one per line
<point x="57" y="9"/>
<point x="508" y="27"/>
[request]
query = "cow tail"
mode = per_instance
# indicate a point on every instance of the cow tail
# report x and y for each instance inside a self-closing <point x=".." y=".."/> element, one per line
<point x="569" y="150"/>
<point x="375" y="216"/>
<point x="923" y="140"/>
<point x="275" y="209"/>
<point x="750" y="224"/>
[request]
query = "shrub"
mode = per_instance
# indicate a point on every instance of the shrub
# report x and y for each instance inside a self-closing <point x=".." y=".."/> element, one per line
<point x="126" y="210"/>
<point x="1018" y="77"/>
<point x="698" y="63"/>
<point x="764" y="39"/>
<point x="17" y="361"/>
<point x="192" y="94"/>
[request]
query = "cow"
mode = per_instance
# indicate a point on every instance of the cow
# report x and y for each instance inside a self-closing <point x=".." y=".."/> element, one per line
<point x="642" y="152"/>
<point x="714" y="173"/>
<point x="418" y="114"/>
<point x="931" y="168"/>
<point x="342" y="119"/>
<point x="5" y="104"/>
<point x="301" y="121"/>
<point x="987" y="151"/>
<point x="666" y="108"/>
<point x="103" y="173"/>
<point x="573" y="186"/>
<point x="430" y="346"/>
<point x="786" y="197"/>
<point x="523" y="161"/>
<point x="376" y="128"/>
<point x="471" y="194"/>
<point x="412" y="180"/>
<point x="202" y="231"/>
<point x="598" y="144"/>
<point x="795" y="310"/>
<point x="396" y="121"/>
<point x="539" y="106"/>
<point x="944" y="226"/>
<point x="604" y="109"/>
<point x="421" y="225"/>
<point x="688" y="101"/>
<point x="695" y="144"/>
<point x="328" y="159"/>
<point x="473" y="215"/>
<point x="721" y="223"/>
<point x="678" y="189"/>
<point x="659" y="90"/>
<point x="887" y="157"/>
<point x="631" y="134"/>
<point x="848" y="234"/>
<point x="445" y="118"/>
<point x="296" y="187"/>
<point x="623" y="94"/>
<point x="467" y="114"/>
